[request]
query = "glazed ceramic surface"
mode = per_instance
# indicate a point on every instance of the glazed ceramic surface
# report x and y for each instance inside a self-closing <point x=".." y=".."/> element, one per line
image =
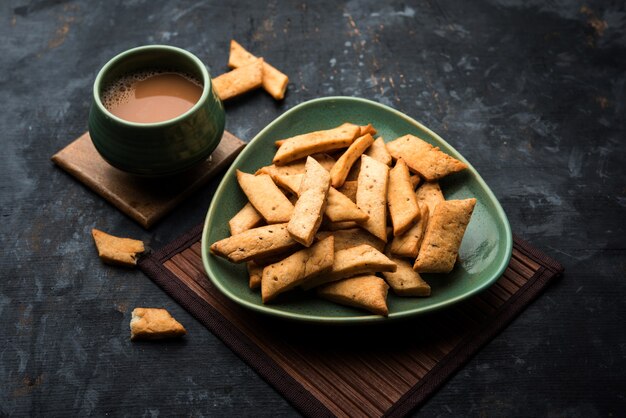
<point x="483" y="256"/>
<point x="163" y="148"/>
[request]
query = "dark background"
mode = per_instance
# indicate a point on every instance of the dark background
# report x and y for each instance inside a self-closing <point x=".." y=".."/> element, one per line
<point x="532" y="93"/>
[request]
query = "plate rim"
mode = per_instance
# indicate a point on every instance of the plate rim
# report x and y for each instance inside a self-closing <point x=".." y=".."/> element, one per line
<point x="366" y="318"/>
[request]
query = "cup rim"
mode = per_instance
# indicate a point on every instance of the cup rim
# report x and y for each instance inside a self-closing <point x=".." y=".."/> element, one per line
<point x="206" y="84"/>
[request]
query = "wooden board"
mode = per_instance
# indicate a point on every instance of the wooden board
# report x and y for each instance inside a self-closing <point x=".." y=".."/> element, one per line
<point x="144" y="200"/>
<point x="385" y="370"/>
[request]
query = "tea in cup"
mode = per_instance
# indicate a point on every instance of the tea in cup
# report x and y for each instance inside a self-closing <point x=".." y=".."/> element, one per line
<point x="154" y="111"/>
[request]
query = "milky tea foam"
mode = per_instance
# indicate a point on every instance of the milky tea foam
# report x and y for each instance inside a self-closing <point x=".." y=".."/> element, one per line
<point x="151" y="96"/>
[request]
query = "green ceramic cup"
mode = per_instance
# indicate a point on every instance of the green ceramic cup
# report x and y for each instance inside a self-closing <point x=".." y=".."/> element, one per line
<point x="162" y="148"/>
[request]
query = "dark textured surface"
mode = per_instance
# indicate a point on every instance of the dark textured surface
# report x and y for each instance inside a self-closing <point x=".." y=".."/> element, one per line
<point x="533" y="93"/>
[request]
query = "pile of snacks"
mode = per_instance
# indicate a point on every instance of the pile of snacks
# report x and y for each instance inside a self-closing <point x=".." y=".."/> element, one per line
<point x="338" y="212"/>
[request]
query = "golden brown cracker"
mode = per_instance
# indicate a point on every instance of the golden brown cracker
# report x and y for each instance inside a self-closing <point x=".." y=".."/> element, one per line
<point x="254" y="243"/>
<point x="365" y="292"/>
<point x="444" y="233"/>
<point x="311" y="203"/>
<point x="288" y="183"/>
<point x="378" y="151"/>
<point x="266" y="197"/>
<point x="367" y="129"/>
<point x="401" y="199"/>
<point x="297" y="268"/>
<point x="246" y="218"/>
<point x="239" y="81"/>
<point x="342" y="167"/>
<point x="405" y="281"/>
<point x="297" y="167"/>
<point x="339" y="208"/>
<point x="408" y="244"/>
<point x="310" y="143"/>
<point x="274" y="81"/>
<point x="348" y="238"/>
<point x="154" y="323"/>
<point x="117" y="251"/>
<point x="362" y="259"/>
<point x="429" y="193"/>
<point x="371" y="195"/>
<point x="428" y="161"/>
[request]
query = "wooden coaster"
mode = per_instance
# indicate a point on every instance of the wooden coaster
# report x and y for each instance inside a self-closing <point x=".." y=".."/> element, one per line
<point x="144" y="200"/>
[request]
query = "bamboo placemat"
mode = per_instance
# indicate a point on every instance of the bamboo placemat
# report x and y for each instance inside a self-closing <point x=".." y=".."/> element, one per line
<point x="385" y="370"/>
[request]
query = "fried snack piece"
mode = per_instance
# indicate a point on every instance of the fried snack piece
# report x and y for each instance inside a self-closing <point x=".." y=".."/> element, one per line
<point x="371" y="195"/>
<point x="408" y="244"/>
<point x="154" y="324"/>
<point x="428" y="161"/>
<point x="255" y="272"/>
<point x="366" y="292"/>
<point x="343" y="165"/>
<point x="349" y="189"/>
<point x="290" y="183"/>
<point x="401" y="199"/>
<point x="245" y="219"/>
<point x="239" y="81"/>
<point x="297" y="268"/>
<point x="378" y="151"/>
<point x="443" y="237"/>
<point x="274" y="81"/>
<point x="296" y="167"/>
<point x="266" y="197"/>
<point x="301" y="146"/>
<point x="348" y="238"/>
<point x="311" y="204"/>
<point x="367" y="129"/>
<point x="117" y="251"/>
<point x="363" y="259"/>
<point x="405" y="281"/>
<point x="260" y="242"/>
<point x="339" y="208"/>
<point x="429" y="194"/>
